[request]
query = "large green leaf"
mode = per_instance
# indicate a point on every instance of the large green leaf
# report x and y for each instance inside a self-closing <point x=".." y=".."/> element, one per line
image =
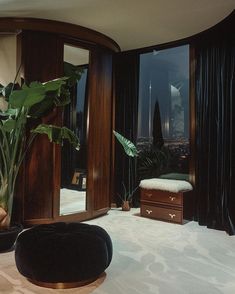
<point x="56" y="95"/>
<point x="129" y="148"/>
<point x="73" y="72"/>
<point x="35" y="93"/>
<point x="27" y="96"/>
<point x="64" y="97"/>
<point x="9" y="125"/>
<point x="57" y="134"/>
<point x="9" y="112"/>
<point x="71" y="137"/>
<point x="55" y="85"/>
<point x="42" y="108"/>
<point x="6" y="91"/>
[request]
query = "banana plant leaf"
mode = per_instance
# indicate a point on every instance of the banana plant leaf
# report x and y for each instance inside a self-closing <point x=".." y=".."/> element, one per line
<point x="58" y="135"/>
<point x="49" y="102"/>
<point x="42" y="108"/>
<point x="27" y="96"/>
<point x="8" y="125"/>
<point x="6" y="91"/>
<point x="73" y="72"/>
<point x="129" y="148"/>
<point x="55" y="85"/>
<point x="8" y="112"/>
<point x="34" y="93"/>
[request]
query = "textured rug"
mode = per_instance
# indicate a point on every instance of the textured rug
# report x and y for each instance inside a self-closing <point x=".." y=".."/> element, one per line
<point x="150" y="257"/>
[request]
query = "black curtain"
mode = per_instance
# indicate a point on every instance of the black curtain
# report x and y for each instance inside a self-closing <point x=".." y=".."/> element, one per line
<point x="126" y="115"/>
<point x="215" y="132"/>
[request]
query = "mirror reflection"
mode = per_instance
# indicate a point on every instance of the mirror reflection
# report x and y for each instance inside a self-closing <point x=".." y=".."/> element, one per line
<point x="74" y="163"/>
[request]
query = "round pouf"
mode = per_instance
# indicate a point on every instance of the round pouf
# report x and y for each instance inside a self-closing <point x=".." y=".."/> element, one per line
<point x="63" y="255"/>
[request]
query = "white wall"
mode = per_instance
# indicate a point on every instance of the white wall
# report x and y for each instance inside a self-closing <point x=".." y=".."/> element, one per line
<point x="76" y="55"/>
<point x="7" y="59"/>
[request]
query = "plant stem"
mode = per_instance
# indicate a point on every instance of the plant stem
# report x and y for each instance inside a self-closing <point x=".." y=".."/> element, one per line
<point x="5" y="139"/>
<point x="17" y="140"/>
<point x="125" y="192"/>
<point x="129" y="178"/>
<point x="3" y="158"/>
<point x="23" y="153"/>
<point x="15" y="78"/>
<point x="1" y="176"/>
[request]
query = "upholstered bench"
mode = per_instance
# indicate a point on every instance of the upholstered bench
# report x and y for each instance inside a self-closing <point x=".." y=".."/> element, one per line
<point x="168" y="200"/>
<point x="63" y="255"/>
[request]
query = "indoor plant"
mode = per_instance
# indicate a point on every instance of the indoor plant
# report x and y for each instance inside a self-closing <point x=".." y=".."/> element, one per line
<point x="131" y="151"/>
<point x="17" y="107"/>
<point x="152" y="162"/>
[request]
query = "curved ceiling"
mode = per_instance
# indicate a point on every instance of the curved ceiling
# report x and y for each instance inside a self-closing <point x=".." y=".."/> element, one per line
<point x="131" y="23"/>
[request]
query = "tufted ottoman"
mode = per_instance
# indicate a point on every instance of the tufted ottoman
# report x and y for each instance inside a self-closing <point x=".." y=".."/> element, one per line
<point x="63" y="255"/>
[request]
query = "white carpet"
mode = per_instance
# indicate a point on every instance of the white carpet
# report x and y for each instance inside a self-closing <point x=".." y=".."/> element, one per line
<point x="150" y="257"/>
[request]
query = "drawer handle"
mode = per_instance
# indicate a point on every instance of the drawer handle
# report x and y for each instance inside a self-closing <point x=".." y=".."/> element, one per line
<point x="149" y="195"/>
<point x="171" y="215"/>
<point x="149" y="211"/>
<point x="172" y="198"/>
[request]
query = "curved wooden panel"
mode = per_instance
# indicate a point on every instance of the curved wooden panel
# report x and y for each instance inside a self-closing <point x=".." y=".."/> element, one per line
<point x="12" y="24"/>
<point x="41" y="57"/>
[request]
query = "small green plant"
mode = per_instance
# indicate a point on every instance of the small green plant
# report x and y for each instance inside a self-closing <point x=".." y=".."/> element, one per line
<point x="150" y="163"/>
<point x="131" y="151"/>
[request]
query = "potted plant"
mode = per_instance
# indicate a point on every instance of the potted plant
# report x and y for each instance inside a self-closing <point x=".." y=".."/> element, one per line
<point x="131" y="151"/>
<point x="18" y="107"/>
<point x="154" y="161"/>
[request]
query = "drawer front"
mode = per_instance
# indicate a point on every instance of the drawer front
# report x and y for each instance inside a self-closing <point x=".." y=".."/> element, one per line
<point x="162" y="196"/>
<point x="161" y="213"/>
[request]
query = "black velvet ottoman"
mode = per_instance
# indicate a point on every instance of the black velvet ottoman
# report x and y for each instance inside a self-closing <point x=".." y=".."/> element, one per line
<point x="63" y="255"/>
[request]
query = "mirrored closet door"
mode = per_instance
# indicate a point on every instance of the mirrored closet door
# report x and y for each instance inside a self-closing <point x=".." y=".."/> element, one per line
<point x="73" y="196"/>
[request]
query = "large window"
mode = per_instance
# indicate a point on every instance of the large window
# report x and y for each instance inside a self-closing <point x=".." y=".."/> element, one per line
<point x="163" y="115"/>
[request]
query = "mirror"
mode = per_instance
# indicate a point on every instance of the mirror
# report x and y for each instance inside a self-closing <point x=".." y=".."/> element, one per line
<point x="73" y="162"/>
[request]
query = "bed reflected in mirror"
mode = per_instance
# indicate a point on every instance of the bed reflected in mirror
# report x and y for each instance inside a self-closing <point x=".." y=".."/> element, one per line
<point x="73" y="162"/>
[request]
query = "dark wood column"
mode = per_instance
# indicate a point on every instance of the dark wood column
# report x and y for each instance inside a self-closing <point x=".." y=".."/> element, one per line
<point x="41" y="60"/>
<point x="100" y="130"/>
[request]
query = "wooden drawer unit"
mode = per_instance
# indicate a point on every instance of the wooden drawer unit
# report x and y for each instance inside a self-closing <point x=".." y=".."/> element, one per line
<point x="162" y="213"/>
<point x="162" y="196"/>
<point x="166" y="206"/>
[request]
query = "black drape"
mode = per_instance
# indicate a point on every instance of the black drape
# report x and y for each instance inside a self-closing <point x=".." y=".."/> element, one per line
<point x="215" y="133"/>
<point x="126" y="114"/>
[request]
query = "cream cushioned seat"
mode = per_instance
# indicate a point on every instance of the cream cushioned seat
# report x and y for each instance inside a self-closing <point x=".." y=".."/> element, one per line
<point x="174" y="186"/>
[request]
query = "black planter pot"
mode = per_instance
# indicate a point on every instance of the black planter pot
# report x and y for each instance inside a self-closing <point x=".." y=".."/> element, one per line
<point x="8" y="237"/>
